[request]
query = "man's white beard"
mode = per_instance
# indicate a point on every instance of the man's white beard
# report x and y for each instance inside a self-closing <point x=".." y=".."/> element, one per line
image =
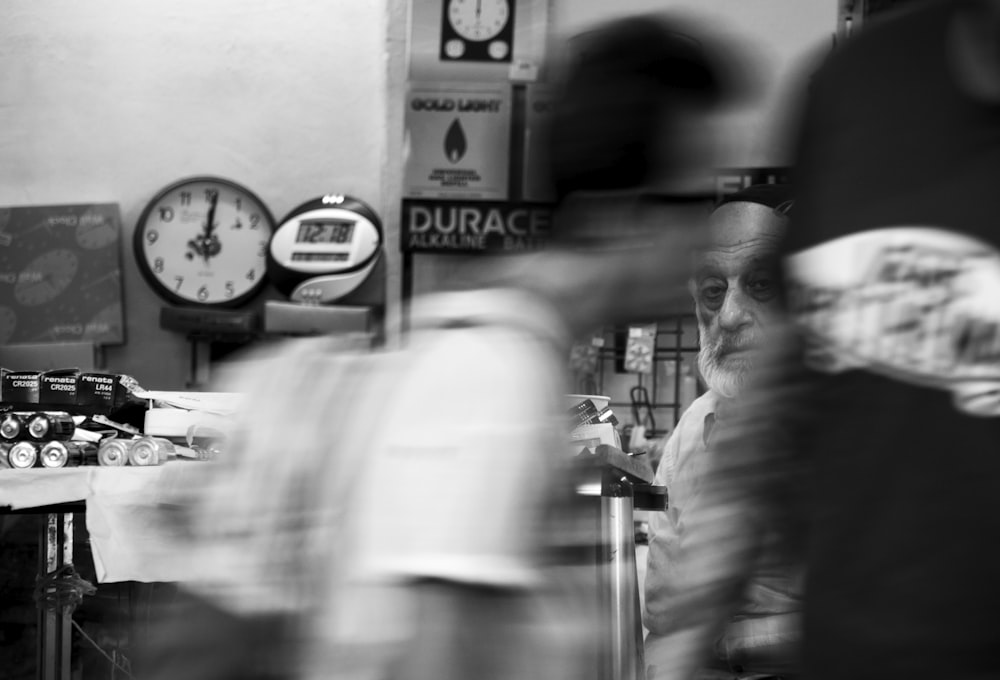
<point x="725" y="378"/>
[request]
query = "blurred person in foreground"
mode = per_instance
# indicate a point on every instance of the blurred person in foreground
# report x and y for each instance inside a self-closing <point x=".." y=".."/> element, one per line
<point x="894" y="287"/>
<point x="871" y="437"/>
<point x="735" y="289"/>
<point x="395" y="507"/>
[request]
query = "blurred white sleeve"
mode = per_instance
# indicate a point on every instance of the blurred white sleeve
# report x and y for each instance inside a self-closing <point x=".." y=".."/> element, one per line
<point x="460" y="463"/>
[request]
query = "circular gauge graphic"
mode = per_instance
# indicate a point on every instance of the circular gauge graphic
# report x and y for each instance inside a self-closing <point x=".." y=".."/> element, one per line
<point x="8" y="322"/>
<point x="454" y="48"/>
<point x="46" y="277"/>
<point x="498" y="49"/>
<point x="106" y="323"/>
<point x="95" y="231"/>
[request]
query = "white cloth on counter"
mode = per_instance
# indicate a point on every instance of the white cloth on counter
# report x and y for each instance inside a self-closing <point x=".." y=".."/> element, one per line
<point x="127" y="537"/>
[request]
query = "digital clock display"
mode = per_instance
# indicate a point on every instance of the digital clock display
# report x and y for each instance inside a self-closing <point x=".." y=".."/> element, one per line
<point x="325" y="231"/>
<point x="320" y="257"/>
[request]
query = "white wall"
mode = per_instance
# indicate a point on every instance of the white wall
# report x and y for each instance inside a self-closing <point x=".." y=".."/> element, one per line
<point x="109" y="100"/>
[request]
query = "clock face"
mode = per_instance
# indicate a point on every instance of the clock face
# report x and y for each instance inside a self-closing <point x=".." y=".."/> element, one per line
<point x="478" y="20"/>
<point x="203" y="241"/>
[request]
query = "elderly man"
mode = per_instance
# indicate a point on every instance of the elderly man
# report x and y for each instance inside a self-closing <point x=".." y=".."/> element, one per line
<point x="735" y="292"/>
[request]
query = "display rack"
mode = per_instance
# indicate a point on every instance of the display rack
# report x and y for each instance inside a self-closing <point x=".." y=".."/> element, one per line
<point x="672" y="385"/>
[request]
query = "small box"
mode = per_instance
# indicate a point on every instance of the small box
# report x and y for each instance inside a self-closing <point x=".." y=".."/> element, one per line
<point x="58" y="387"/>
<point x="100" y="391"/>
<point x="20" y="387"/>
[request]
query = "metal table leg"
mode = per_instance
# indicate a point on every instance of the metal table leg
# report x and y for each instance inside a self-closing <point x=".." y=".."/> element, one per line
<point x="54" y="627"/>
<point x="626" y="657"/>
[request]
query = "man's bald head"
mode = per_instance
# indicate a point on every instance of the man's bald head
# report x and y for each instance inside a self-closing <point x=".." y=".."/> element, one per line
<point x="734" y="284"/>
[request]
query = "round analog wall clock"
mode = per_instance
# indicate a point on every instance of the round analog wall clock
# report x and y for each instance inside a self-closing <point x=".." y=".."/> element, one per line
<point x="203" y="241"/>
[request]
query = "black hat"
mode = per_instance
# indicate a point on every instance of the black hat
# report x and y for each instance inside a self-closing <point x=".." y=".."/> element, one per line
<point x="626" y="79"/>
<point x="777" y="196"/>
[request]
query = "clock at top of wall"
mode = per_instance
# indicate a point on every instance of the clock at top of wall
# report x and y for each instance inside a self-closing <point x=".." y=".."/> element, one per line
<point x="202" y="241"/>
<point x="477" y="30"/>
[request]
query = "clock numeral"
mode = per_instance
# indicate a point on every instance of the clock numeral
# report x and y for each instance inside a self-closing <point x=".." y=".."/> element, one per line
<point x="252" y="275"/>
<point x="239" y="204"/>
<point x="230" y="289"/>
<point x="254" y="221"/>
<point x="152" y="236"/>
<point x="203" y="293"/>
<point x="211" y="194"/>
<point x="185" y="198"/>
<point x="179" y="280"/>
<point x="262" y="249"/>
<point x="158" y="265"/>
<point x="166" y="214"/>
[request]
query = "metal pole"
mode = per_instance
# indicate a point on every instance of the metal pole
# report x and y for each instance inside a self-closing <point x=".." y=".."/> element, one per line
<point x="626" y="656"/>
<point x="54" y="629"/>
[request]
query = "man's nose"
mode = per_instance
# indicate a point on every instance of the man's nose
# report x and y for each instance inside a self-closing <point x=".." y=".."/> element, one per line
<point x="735" y="312"/>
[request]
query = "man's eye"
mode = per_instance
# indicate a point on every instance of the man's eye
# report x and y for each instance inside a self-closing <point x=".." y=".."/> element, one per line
<point x="713" y="293"/>
<point x="761" y="287"/>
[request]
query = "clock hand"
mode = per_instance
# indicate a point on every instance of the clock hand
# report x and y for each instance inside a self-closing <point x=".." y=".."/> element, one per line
<point x="210" y="222"/>
<point x="208" y="236"/>
<point x="479" y="9"/>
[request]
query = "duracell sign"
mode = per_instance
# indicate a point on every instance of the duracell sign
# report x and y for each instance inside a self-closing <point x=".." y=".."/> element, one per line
<point x="474" y="226"/>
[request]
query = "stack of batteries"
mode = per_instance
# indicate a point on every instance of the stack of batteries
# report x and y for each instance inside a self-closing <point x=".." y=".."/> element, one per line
<point x="45" y="439"/>
<point x="42" y="439"/>
<point x="142" y="451"/>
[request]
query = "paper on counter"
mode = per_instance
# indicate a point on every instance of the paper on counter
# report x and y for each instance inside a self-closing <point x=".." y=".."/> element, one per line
<point x="221" y="403"/>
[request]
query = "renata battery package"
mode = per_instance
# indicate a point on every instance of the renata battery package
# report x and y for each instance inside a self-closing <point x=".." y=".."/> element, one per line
<point x="102" y="392"/>
<point x="20" y="387"/>
<point x="58" y="387"/>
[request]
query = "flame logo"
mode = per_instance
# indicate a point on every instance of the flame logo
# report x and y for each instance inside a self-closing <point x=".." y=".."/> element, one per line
<point x="455" y="145"/>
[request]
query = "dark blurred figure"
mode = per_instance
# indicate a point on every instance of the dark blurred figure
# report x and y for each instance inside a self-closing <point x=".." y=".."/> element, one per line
<point x="398" y="508"/>
<point x="735" y="286"/>
<point x="894" y="286"/>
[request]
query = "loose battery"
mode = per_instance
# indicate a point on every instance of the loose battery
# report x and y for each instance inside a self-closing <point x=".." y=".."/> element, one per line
<point x="113" y="452"/>
<point x="50" y="425"/>
<point x="54" y="455"/>
<point x="11" y="426"/>
<point x="57" y="454"/>
<point x="150" y="451"/>
<point x="23" y="455"/>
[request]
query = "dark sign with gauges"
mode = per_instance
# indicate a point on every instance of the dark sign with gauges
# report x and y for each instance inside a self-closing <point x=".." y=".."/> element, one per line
<point x="60" y="274"/>
<point x="477" y="30"/>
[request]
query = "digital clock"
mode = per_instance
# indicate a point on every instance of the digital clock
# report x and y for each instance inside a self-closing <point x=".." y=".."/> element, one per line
<point x="324" y="248"/>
